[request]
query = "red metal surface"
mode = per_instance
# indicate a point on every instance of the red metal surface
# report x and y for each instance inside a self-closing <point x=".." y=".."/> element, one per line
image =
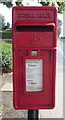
<point x="34" y="28"/>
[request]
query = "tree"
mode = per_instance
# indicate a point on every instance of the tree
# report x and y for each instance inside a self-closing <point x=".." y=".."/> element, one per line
<point x="6" y="26"/>
<point x="59" y="27"/>
<point x="60" y="5"/>
<point x="2" y="22"/>
<point x="8" y="4"/>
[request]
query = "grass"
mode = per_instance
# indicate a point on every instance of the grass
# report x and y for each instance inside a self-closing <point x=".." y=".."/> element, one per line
<point x="6" y="34"/>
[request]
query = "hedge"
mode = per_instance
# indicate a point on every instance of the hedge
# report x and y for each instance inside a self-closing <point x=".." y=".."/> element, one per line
<point x="6" y="49"/>
<point x="6" y="34"/>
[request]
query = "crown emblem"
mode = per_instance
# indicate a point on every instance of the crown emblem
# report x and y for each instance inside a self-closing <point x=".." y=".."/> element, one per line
<point x="34" y="39"/>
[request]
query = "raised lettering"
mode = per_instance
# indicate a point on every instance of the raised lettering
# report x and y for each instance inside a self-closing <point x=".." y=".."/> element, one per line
<point x="33" y="15"/>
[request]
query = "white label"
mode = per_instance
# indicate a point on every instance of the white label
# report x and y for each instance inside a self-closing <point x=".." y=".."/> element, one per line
<point x="34" y="75"/>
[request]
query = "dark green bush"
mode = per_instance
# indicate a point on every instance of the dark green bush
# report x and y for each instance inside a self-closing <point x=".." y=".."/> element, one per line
<point x="6" y="57"/>
<point x="6" y="34"/>
<point x="6" y="27"/>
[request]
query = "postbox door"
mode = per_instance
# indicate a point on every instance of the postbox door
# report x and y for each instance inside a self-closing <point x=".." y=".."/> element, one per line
<point x="36" y="99"/>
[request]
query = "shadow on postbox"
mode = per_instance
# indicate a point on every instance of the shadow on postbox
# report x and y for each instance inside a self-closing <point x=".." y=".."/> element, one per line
<point x="34" y="57"/>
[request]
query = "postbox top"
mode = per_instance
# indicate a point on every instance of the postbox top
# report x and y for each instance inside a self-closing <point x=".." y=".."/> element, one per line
<point x="33" y="25"/>
<point x="34" y="15"/>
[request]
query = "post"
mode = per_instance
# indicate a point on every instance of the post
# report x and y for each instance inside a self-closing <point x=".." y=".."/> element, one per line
<point x="32" y="114"/>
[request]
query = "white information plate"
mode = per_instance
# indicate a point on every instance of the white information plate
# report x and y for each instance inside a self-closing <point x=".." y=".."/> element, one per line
<point x="34" y="75"/>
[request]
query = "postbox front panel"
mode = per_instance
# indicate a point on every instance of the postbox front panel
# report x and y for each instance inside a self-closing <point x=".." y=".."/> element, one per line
<point x="42" y="97"/>
<point x="34" y="39"/>
<point x="34" y="57"/>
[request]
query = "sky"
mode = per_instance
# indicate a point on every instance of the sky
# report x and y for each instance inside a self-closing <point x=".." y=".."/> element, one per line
<point x="7" y="12"/>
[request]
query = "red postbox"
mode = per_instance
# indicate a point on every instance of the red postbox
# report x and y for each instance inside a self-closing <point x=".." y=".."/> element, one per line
<point x="34" y="57"/>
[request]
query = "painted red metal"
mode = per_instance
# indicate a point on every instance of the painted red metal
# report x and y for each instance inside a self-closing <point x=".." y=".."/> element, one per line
<point x="34" y="28"/>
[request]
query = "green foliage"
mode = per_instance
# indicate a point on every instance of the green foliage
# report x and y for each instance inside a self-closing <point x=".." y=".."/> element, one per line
<point x="6" y="57"/>
<point x="45" y="3"/>
<point x="6" y="34"/>
<point x="60" y="5"/>
<point x="8" y="4"/>
<point x="19" y="3"/>
<point x="6" y="27"/>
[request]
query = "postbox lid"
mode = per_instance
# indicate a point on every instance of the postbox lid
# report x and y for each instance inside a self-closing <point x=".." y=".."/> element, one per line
<point x="34" y="15"/>
<point x="34" y="26"/>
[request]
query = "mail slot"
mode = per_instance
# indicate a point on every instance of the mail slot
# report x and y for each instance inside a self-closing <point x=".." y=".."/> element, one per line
<point x="34" y="47"/>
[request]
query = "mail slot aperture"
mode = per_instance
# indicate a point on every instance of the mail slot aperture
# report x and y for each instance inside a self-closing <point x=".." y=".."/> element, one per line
<point x="35" y="28"/>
